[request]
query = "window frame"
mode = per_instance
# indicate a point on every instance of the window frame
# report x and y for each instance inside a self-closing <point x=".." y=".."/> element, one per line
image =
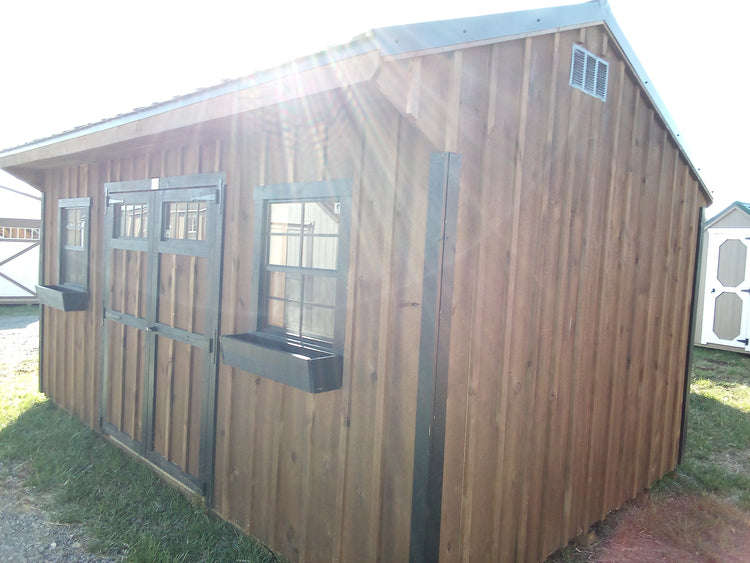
<point x="63" y="206"/>
<point x="299" y="192"/>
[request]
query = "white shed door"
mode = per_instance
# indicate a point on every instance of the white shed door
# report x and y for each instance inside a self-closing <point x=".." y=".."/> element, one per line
<point x="726" y="312"/>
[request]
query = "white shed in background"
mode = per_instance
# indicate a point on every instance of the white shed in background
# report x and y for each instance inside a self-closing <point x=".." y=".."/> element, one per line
<point x="20" y="218"/>
<point x="723" y="314"/>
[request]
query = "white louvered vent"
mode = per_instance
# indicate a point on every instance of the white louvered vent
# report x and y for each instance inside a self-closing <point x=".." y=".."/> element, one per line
<point x="589" y="73"/>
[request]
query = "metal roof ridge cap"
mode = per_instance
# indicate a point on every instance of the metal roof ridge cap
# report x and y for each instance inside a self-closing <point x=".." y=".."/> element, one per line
<point x="400" y="40"/>
<point x="359" y="45"/>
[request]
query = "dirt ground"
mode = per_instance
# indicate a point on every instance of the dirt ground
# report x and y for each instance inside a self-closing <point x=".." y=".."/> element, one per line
<point x="672" y="529"/>
<point x="29" y="533"/>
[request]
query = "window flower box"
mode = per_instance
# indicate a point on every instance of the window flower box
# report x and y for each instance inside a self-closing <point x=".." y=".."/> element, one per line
<point x="309" y="369"/>
<point x="62" y="297"/>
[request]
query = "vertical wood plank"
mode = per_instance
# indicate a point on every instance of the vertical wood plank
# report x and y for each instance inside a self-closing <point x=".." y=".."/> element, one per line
<point x="507" y="527"/>
<point x="543" y="97"/>
<point x="468" y="393"/>
<point x="672" y="363"/>
<point x="607" y="294"/>
<point x="623" y="274"/>
<point x="349" y="346"/>
<point x="563" y="174"/>
<point x="550" y="335"/>
<point x="401" y="387"/>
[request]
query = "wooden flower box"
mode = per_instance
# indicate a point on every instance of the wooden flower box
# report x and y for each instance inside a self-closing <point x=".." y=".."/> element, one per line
<point x="309" y="369"/>
<point x="62" y="297"/>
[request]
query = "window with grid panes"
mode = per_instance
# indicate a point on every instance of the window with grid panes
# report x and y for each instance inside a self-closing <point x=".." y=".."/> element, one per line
<point x="74" y="241"/>
<point x="303" y="266"/>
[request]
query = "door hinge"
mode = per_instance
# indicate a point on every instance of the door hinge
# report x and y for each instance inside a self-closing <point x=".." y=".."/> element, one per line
<point x="208" y="197"/>
<point x="746" y="290"/>
<point x="111" y="200"/>
<point x="744" y="341"/>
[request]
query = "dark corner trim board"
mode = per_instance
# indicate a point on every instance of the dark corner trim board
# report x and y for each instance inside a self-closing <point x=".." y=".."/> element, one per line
<point x="432" y="388"/>
<point x="690" y="338"/>
<point x="42" y="246"/>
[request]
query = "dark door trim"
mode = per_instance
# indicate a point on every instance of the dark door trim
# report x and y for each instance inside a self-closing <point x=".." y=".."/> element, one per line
<point x="434" y="347"/>
<point x="208" y="187"/>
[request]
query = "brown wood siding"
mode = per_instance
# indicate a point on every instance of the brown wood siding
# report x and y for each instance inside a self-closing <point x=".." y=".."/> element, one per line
<point x="71" y="353"/>
<point x="71" y="357"/>
<point x="578" y="220"/>
<point x="576" y="227"/>
<point x="328" y="477"/>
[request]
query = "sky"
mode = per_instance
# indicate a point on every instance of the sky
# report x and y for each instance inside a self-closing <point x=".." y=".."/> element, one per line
<point x="66" y="64"/>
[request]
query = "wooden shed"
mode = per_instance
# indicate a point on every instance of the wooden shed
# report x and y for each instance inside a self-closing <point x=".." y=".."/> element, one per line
<point x="723" y="298"/>
<point x="422" y="296"/>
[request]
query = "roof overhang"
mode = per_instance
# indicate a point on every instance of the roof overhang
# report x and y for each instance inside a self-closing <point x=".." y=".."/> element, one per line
<point x="346" y="65"/>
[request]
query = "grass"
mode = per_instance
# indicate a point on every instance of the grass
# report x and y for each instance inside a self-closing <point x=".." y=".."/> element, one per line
<point x="17" y="393"/>
<point x="127" y="510"/>
<point x="717" y="455"/>
<point x="18" y="310"/>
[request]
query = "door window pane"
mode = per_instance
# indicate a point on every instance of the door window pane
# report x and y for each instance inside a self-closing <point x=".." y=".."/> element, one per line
<point x="131" y="220"/>
<point x="185" y="220"/>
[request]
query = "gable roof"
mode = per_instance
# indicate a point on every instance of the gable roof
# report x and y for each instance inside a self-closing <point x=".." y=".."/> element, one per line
<point x="349" y="64"/>
<point x="738" y="205"/>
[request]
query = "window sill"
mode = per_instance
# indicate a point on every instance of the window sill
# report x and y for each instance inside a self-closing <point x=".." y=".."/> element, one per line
<point x="62" y="297"/>
<point x="309" y="369"/>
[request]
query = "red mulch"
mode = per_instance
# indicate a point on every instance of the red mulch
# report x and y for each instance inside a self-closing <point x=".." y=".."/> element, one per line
<point x="684" y="529"/>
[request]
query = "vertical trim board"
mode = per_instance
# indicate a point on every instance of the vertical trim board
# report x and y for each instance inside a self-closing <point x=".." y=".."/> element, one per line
<point x="434" y="358"/>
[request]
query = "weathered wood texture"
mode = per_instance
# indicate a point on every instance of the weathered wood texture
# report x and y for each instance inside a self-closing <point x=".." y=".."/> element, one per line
<point x="577" y="222"/>
<point x="70" y="356"/>
<point x="327" y="477"/>
<point x="73" y="347"/>
<point x="574" y="256"/>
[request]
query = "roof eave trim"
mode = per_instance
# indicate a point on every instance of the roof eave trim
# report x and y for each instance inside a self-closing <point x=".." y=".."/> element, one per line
<point x="424" y="38"/>
<point x="403" y="41"/>
<point x="420" y="38"/>
<point x="652" y="94"/>
<point x="359" y="47"/>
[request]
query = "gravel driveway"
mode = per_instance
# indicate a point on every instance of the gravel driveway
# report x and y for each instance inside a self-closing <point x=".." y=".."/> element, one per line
<point x="28" y="533"/>
<point x="19" y="338"/>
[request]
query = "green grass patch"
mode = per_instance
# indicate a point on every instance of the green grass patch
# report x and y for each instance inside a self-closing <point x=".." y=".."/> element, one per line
<point x="18" y="310"/>
<point x="127" y="509"/>
<point x="17" y="391"/>
<point x="717" y="453"/>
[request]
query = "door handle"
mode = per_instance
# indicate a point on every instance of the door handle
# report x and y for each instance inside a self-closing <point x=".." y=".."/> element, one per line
<point x="152" y="328"/>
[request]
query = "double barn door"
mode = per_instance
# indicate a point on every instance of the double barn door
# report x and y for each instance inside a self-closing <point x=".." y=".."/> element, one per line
<point x="161" y="312"/>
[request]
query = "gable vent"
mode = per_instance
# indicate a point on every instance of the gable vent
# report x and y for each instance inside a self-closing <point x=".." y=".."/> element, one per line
<point x="589" y="73"/>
